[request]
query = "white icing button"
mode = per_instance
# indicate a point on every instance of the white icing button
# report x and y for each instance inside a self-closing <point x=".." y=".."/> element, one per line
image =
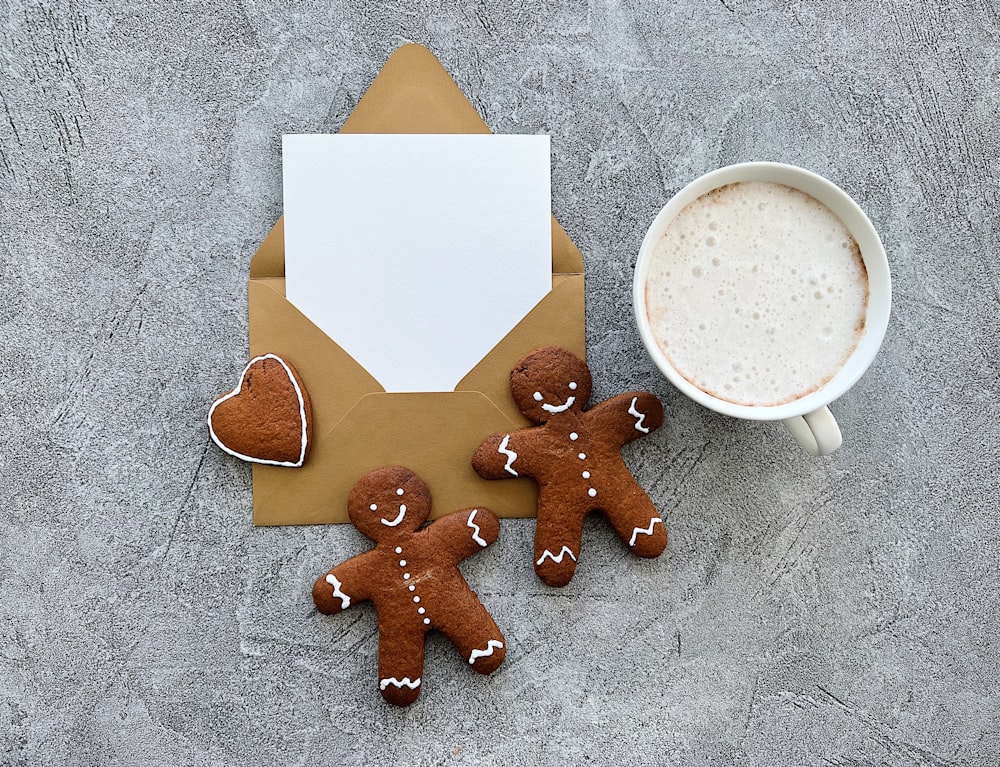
<point x="421" y="610"/>
<point x="411" y="587"/>
<point x="416" y="599"/>
<point x="427" y="621"/>
<point x="402" y="563"/>
<point x="581" y="456"/>
<point x="592" y="492"/>
<point x="586" y="475"/>
<point x="399" y="549"/>
<point x="574" y="436"/>
<point x="373" y="507"/>
<point x="399" y="491"/>
<point x="406" y="576"/>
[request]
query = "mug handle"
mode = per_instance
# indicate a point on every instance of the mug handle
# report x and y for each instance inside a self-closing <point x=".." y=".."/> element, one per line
<point x="817" y="431"/>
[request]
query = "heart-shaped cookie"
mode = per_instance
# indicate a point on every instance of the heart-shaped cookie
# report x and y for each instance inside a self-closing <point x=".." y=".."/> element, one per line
<point x="267" y="418"/>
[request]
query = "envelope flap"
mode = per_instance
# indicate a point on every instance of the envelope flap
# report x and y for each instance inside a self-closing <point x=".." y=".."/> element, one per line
<point x="427" y="432"/>
<point x="412" y="94"/>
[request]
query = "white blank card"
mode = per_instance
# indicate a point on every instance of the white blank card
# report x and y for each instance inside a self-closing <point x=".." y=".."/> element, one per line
<point x="416" y="253"/>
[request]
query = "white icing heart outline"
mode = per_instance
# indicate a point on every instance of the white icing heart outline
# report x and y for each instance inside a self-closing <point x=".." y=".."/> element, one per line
<point x="239" y="387"/>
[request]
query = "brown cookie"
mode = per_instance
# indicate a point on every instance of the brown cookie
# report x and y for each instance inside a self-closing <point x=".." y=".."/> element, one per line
<point x="267" y="418"/>
<point x="412" y="577"/>
<point x="575" y="456"/>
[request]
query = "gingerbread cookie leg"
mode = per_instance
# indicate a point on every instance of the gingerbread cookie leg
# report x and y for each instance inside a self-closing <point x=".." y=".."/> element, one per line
<point x="400" y="665"/>
<point x="475" y="634"/>
<point x="635" y="520"/>
<point x="558" y="535"/>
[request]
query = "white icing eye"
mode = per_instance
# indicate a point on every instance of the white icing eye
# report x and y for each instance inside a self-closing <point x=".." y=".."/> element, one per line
<point x="399" y="491"/>
<point x="572" y="385"/>
<point x="538" y="396"/>
<point x="373" y="507"/>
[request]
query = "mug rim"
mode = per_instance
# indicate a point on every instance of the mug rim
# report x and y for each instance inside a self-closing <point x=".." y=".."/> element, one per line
<point x="872" y="252"/>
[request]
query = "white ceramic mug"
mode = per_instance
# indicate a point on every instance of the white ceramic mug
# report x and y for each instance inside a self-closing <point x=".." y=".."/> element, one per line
<point x="808" y="418"/>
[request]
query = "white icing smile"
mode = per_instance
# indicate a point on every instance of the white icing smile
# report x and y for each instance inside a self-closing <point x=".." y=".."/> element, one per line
<point x="398" y="519"/>
<point x="559" y="408"/>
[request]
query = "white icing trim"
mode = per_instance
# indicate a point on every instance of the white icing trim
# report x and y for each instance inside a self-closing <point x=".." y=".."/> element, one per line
<point x="234" y="392"/>
<point x="475" y="530"/>
<point x="639" y="417"/>
<point x="557" y="558"/>
<point x="644" y="530"/>
<point x="559" y="408"/>
<point x="404" y="682"/>
<point x="490" y="646"/>
<point x="511" y="455"/>
<point x="345" y="600"/>
<point x="398" y="519"/>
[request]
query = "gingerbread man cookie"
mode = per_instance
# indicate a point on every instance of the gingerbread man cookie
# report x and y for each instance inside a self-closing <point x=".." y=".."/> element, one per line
<point x="575" y="456"/>
<point x="412" y="577"/>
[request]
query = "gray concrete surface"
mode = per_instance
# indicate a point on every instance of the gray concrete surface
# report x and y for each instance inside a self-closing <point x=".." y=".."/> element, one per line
<point x="808" y="612"/>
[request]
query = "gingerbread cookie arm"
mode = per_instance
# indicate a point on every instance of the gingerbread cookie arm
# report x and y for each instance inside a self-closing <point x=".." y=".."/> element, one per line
<point x="343" y="586"/>
<point x="628" y="416"/>
<point x="463" y="533"/>
<point x="504" y="456"/>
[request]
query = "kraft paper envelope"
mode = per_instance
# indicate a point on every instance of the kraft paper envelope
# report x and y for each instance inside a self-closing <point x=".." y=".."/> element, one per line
<point x="357" y="426"/>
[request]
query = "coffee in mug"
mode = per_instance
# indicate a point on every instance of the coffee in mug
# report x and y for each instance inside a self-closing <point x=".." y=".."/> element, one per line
<point x="762" y="291"/>
<point x="757" y="293"/>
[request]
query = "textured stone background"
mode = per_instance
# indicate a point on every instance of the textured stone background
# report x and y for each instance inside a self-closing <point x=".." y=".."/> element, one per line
<point x="832" y="612"/>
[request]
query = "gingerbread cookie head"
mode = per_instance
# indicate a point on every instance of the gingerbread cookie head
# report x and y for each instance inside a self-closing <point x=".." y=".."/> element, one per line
<point x="389" y="502"/>
<point x="550" y="380"/>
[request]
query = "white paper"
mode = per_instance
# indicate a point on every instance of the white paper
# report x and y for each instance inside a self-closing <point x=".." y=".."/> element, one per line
<point x="416" y="253"/>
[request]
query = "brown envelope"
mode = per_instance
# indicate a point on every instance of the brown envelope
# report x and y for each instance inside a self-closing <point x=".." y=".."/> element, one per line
<point x="357" y="426"/>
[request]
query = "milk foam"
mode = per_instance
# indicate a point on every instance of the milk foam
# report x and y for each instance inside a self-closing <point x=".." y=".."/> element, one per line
<point x="757" y="293"/>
